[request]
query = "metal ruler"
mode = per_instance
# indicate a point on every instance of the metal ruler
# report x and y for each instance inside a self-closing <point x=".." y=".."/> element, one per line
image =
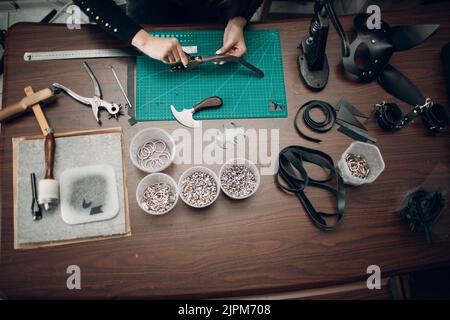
<point x="89" y="54"/>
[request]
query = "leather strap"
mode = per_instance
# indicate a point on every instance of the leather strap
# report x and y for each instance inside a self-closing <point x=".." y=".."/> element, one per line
<point x="318" y="126"/>
<point x="297" y="180"/>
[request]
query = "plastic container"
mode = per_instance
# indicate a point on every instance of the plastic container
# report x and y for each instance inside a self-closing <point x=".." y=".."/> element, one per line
<point x="249" y="165"/>
<point x="374" y="160"/>
<point x="201" y="169"/>
<point x="147" y="135"/>
<point x="152" y="179"/>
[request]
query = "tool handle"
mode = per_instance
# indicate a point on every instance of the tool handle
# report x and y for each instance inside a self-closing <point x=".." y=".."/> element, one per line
<point x="211" y="102"/>
<point x="49" y="150"/>
<point x="21" y="106"/>
<point x="11" y="111"/>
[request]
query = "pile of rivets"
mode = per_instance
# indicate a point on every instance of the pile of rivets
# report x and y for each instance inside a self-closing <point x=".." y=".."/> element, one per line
<point x="158" y="197"/>
<point x="357" y="165"/>
<point x="198" y="189"/>
<point x="153" y="155"/>
<point x="238" y="180"/>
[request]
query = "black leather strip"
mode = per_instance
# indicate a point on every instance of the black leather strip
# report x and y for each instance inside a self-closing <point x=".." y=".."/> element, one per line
<point x="292" y="171"/>
<point x="397" y="84"/>
<point x="318" y="126"/>
<point x="354" y="133"/>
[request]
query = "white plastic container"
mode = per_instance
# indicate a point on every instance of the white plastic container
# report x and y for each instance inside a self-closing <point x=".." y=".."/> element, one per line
<point x="152" y="179"/>
<point x="201" y="169"/>
<point x="250" y="165"/>
<point x="374" y="160"/>
<point x="147" y="135"/>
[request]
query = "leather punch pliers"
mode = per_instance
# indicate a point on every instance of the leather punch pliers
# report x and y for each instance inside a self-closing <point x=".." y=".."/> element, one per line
<point x="95" y="102"/>
<point x="195" y="61"/>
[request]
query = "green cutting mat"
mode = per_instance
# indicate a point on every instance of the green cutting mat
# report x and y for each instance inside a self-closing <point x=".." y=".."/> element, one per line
<point x="244" y="94"/>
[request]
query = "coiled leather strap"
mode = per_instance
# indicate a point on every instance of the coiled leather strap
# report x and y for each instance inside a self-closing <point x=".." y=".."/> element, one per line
<point x="318" y="126"/>
<point x="291" y="160"/>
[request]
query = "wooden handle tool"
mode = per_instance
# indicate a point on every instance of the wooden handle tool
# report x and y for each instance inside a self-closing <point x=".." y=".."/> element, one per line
<point x="48" y="186"/>
<point x="23" y="105"/>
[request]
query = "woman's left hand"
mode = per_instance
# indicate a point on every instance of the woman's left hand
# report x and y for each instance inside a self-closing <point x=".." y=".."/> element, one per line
<point x="233" y="38"/>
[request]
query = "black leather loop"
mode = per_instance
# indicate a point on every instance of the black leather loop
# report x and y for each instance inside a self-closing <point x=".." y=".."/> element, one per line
<point x="291" y="160"/>
<point x="389" y="116"/>
<point x="436" y="118"/>
<point x="318" y="126"/>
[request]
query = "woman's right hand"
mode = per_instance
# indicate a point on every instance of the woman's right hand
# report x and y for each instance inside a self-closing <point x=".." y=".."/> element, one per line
<point x="167" y="50"/>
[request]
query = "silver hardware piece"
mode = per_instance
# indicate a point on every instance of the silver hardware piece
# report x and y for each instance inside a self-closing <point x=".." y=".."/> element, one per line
<point x="238" y="180"/>
<point x="199" y="189"/>
<point x="153" y="154"/>
<point x="158" y="197"/>
<point x="357" y="165"/>
<point x="428" y="103"/>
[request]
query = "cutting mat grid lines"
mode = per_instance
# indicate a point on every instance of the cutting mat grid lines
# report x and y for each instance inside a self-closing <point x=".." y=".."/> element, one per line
<point x="244" y="94"/>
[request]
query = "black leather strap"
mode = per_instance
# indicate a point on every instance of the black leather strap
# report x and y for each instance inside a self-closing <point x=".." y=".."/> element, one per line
<point x="292" y="171"/>
<point x="318" y="126"/>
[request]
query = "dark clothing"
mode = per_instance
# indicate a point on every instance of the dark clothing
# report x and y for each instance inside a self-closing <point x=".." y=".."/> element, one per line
<point x="112" y="19"/>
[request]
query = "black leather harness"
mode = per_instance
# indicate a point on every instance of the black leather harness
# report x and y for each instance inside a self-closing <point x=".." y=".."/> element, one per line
<point x="293" y="172"/>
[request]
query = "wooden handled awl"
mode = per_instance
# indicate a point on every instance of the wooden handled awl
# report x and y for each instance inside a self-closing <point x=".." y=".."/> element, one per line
<point x="23" y="105"/>
<point x="48" y="194"/>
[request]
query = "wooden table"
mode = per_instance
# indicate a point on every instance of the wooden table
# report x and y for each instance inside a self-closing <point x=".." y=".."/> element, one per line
<point x="265" y="244"/>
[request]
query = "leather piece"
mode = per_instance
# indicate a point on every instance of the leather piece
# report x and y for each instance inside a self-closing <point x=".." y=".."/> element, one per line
<point x="394" y="82"/>
<point x="350" y="108"/>
<point x="407" y="37"/>
<point x="345" y="115"/>
<point x="291" y="160"/>
<point x="317" y="126"/>
<point x="381" y="44"/>
<point x="354" y="133"/>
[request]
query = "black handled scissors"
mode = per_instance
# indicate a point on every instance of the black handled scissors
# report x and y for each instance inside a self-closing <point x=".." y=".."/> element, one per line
<point x="195" y="61"/>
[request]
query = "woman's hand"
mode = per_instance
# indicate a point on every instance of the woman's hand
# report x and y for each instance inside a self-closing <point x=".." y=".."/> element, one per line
<point x="233" y="38"/>
<point x="167" y="50"/>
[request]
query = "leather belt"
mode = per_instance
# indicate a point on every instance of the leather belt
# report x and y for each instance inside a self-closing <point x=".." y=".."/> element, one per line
<point x="291" y="160"/>
<point x="318" y="126"/>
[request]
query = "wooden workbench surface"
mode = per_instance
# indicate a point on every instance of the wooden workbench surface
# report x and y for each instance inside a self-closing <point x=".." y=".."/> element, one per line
<point x="264" y="244"/>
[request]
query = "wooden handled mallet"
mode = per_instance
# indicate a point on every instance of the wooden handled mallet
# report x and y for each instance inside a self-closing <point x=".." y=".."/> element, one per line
<point x="48" y="190"/>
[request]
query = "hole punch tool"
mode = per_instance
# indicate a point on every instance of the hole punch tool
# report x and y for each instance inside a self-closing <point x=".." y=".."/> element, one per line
<point x="195" y="61"/>
<point x="95" y="102"/>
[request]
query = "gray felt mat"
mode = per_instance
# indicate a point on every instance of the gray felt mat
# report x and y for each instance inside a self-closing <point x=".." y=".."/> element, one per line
<point x="74" y="151"/>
